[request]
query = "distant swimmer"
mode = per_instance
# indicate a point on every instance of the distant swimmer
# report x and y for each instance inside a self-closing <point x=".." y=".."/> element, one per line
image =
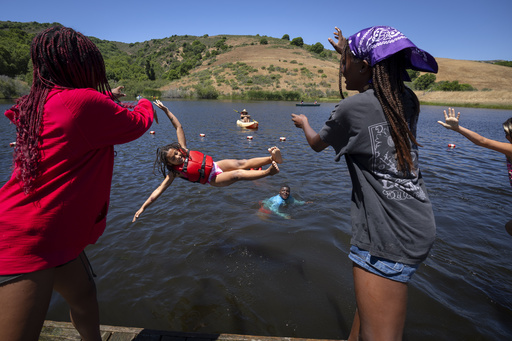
<point x="175" y="160"/>
<point x="283" y="199"/>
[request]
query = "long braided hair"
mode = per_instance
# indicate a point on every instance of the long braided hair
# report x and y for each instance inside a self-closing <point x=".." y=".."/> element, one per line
<point x="62" y="58"/>
<point x="390" y="90"/>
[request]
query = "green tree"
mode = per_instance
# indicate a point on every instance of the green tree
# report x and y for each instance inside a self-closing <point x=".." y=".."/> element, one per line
<point x="286" y="37"/>
<point x="206" y="91"/>
<point x="317" y="48"/>
<point x="263" y="41"/>
<point x="14" y="52"/>
<point x="150" y="72"/>
<point x="193" y="50"/>
<point x="452" y="86"/>
<point x="297" y="42"/>
<point x="504" y="63"/>
<point x="424" y="82"/>
<point x="172" y="75"/>
<point x="413" y="74"/>
<point x="221" y="44"/>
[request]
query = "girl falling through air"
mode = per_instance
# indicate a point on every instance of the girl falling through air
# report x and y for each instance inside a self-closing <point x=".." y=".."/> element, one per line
<point x="175" y="160"/>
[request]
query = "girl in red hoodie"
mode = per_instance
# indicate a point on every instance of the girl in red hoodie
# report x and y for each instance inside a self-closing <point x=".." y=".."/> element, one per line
<point x="57" y="198"/>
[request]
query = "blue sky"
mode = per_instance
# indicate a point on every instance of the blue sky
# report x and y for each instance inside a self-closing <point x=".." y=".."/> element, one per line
<point x="470" y="30"/>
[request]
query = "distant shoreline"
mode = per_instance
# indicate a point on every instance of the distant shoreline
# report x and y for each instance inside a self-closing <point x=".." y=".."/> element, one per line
<point x="493" y="99"/>
<point x="470" y="105"/>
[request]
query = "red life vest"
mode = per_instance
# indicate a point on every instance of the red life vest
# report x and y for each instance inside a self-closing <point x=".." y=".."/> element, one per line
<point x="197" y="167"/>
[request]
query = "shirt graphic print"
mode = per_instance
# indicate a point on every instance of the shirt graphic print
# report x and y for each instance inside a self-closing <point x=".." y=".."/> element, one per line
<point x="384" y="166"/>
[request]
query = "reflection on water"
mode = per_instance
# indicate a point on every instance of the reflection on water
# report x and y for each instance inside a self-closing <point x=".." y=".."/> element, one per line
<point x="201" y="258"/>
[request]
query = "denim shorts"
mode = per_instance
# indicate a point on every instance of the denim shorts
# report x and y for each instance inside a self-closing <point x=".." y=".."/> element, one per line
<point x="382" y="267"/>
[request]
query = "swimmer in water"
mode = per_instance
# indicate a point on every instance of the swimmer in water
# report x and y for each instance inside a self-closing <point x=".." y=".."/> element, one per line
<point x="283" y="199"/>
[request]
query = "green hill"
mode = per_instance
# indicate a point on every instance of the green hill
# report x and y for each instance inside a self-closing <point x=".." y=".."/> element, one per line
<point x="245" y="67"/>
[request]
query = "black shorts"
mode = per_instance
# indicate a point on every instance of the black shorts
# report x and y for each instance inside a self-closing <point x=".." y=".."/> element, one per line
<point x="85" y="261"/>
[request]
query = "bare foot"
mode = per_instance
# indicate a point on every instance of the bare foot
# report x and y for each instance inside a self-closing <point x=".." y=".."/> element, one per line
<point x="276" y="154"/>
<point x="273" y="168"/>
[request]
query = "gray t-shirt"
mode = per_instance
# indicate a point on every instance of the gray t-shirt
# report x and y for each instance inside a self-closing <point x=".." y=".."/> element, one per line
<point x="391" y="213"/>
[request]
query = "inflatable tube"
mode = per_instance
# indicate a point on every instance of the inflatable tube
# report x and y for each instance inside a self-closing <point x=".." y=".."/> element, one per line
<point x="247" y="125"/>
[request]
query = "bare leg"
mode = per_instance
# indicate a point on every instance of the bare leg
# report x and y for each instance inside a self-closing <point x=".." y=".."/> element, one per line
<point x="24" y="304"/>
<point x="232" y="164"/>
<point x="75" y="283"/>
<point x="356" y="326"/>
<point x="227" y="178"/>
<point x="382" y="307"/>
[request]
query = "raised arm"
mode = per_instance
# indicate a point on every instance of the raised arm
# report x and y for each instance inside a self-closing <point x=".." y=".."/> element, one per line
<point x="452" y="123"/>
<point x="156" y="193"/>
<point x="339" y="46"/>
<point x="180" y="133"/>
<point x="314" y="140"/>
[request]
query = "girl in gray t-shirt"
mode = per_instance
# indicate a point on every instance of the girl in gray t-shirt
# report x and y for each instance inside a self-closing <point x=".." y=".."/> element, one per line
<point x="393" y="225"/>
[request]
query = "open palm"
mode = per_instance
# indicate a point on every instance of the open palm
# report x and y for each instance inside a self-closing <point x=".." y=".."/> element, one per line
<point x="450" y="120"/>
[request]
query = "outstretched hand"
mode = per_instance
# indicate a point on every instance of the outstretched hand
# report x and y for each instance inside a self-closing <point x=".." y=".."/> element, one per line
<point x="339" y="46"/>
<point x="299" y="120"/>
<point x="137" y="214"/>
<point x="159" y="104"/>
<point x="451" y="121"/>
<point x="118" y="92"/>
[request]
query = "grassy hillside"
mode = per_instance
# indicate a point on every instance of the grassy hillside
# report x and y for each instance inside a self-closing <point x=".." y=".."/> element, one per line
<point x="296" y="68"/>
<point x="233" y="66"/>
<point x="272" y="67"/>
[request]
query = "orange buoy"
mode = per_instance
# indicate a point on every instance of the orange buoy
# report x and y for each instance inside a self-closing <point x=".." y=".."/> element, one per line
<point x="451" y="145"/>
<point x="202" y="135"/>
<point x="249" y="137"/>
<point x="282" y="138"/>
<point x="12" y="144"/>
<point x="152" y="132"/>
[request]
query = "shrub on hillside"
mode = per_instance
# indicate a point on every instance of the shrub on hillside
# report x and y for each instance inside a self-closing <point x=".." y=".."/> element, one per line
<point x="206" y="91"/>
<point x="317" y="48"/>
<point x="413" y="74"/>
<point x="297" y="42"/>
<point x="424" y="82"/>
<point x="12" y="88"/>
<point x="504" y="63"/>
<point x="452" y="86"/>
<point x="151" y="93"/>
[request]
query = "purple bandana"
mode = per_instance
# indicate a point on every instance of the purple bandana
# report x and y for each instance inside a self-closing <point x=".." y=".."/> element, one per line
<point x="379" y="42"/>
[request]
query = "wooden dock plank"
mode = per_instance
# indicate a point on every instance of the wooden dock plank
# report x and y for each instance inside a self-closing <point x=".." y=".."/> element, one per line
<point x="64" y="331"/>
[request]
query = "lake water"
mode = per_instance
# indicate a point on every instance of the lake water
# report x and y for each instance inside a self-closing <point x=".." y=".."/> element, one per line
<point x="201" y="259"/>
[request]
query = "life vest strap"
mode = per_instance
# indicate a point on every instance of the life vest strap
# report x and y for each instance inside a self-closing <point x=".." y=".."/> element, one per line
<point x="201" y="170"/>
<point x="185" y="164"/>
